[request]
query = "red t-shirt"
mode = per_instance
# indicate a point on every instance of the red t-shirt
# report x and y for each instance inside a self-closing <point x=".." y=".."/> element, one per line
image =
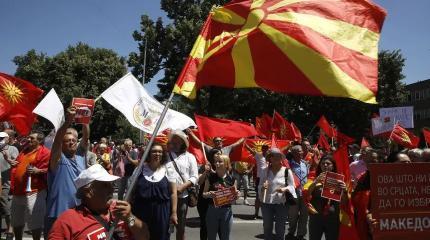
<point x="39" y="158"/>
<point x="79" y="224"/>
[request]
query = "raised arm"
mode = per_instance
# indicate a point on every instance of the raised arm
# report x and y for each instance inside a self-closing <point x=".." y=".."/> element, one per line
<point x="57" y="146"/>
<point x="85" y="136"/>
<point x="238" y="143"/>
<point x="194" y="137"/>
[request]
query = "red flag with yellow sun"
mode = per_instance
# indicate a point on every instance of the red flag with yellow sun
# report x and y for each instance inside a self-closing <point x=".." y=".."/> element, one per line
<point x="18" y="98"/>
<point x="313" y="47"/>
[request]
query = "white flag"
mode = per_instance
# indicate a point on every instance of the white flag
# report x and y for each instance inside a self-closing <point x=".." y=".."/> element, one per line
<point x="51" y="108"/>
<point x="142" y="110"/>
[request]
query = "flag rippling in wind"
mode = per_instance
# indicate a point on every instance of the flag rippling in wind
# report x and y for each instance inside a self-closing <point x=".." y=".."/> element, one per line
<point x="18" y="98"/>
<point x="320" y="48"/>
<point x="142" y="110"/>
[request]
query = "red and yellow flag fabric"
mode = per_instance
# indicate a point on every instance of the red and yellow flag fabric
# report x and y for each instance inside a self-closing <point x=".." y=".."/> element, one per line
<point x="217" y="127"/>
<point x="243" y="155"/>
<point x="263" y="125"/>
<point x="322" y="142"/>
<point x="313" y="47"/>
<point x="297" y="134"/>
<point x="281" y="127"/>
<point x="18" y="98"/>
<point x="347" y="228"/>
<point x="404" y="138"/>
<point x="326" y="127"/>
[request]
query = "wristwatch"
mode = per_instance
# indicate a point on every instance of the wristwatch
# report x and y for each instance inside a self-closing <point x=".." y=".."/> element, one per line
<point x="131" y="221"/>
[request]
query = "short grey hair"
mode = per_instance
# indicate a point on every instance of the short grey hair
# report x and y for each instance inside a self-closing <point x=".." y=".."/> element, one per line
<point x="416" y="152"/>
<point x="296" y="148"/>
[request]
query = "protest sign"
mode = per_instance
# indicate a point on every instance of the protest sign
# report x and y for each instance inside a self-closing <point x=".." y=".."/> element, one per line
<point x="400" y="200"/>
<point x="84" y="111"/>
<point x="331" y="189"/>
<point x="404" y="115"/>
<point x="382" y="125"/>
<point x="224" y="196"/>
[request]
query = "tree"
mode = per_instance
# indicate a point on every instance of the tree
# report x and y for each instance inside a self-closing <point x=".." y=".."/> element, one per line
<point x="170" y="45"/>
<point x="79" y="71"/>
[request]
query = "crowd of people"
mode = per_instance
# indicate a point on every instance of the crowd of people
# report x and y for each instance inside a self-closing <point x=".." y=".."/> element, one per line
<point x="66" y="192"/>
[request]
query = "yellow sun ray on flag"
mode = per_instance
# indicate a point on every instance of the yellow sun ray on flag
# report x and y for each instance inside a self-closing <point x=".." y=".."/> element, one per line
<point x="312" y="47"/>
<point x="12" y="93"/>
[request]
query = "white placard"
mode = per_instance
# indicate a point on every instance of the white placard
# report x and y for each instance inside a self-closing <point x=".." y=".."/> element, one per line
<point x="404" y="115"/>
<point x="382" y="125"/>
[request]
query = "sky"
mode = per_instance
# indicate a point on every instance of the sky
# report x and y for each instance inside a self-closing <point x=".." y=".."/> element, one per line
<point x="49" y="26"/>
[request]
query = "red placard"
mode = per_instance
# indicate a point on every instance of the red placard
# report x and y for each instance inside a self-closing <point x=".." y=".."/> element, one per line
<point x="85" y="109"/>
<point x="331" y="188"/>
<point x="400" y="200"/>
<point x="224" y="196"/>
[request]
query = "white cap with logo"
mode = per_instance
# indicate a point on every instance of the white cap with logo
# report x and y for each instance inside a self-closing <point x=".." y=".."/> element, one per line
<point x="94" y="173"/>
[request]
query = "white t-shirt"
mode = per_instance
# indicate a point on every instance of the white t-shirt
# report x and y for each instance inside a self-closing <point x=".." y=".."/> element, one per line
<point x="275" y="181"/>
<point x="187" y="165"/>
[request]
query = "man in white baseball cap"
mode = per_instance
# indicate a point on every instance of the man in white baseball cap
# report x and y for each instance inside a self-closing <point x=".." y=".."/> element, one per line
<point x="93" y="218"/>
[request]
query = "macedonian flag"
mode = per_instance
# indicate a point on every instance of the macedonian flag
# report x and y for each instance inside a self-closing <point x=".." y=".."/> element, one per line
<point x="18" y="98"/>
<point x="308" y="47"/>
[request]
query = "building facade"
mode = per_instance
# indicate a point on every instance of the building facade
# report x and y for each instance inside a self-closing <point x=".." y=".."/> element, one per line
<point x="418" y="96"/>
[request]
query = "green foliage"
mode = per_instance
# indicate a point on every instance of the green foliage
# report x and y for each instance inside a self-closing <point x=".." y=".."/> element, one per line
<point x="170" y="45"/>
<point x="79" y="71"/>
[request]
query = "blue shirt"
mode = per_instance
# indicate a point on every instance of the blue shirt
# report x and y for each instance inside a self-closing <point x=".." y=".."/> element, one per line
<point x="301" y="171"/>
<point x="61" y="186"/>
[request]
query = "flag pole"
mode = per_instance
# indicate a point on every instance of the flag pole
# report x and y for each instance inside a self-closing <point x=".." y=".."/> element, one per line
<point x="312" y="129"/>
<point x="391" y="134"/>
<point x="273" y="119"/>
<point x="141" y="133"/>
<point x="136" y="173"/>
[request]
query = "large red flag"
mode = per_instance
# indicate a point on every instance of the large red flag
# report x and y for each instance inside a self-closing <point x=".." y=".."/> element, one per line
<point x="326" y="127"/>
<point x="18" y="98"/>
<point x="297" y="135"/>
<point x="281" y="127"/>
<point x="347" y="228"/>
<point x="426" y="134"/>
<point x="315" y="41"/>
<point x="196" y="149"/>
<point x="403" y="137"/>
<point x="263" y="125"/>
<point x="322" y="142"/>
<point x="217" y="127"/>
<point x="343" y="139"/>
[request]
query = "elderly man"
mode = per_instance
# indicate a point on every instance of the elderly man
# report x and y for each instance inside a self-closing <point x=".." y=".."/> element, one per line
<point x="93" y="218"/>
<point x="28" y="187"/>
<point x="183" y="165"/>
<point x="66" y="164"/>
<point x="8" y="156"/>
<point x="298" y="214"/>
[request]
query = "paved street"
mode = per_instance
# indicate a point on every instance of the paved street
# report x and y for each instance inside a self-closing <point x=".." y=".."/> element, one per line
<point x="244" y="228"/>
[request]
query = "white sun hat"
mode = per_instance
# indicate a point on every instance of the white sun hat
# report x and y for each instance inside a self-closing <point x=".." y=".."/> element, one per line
<point x="94" y="173"/>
